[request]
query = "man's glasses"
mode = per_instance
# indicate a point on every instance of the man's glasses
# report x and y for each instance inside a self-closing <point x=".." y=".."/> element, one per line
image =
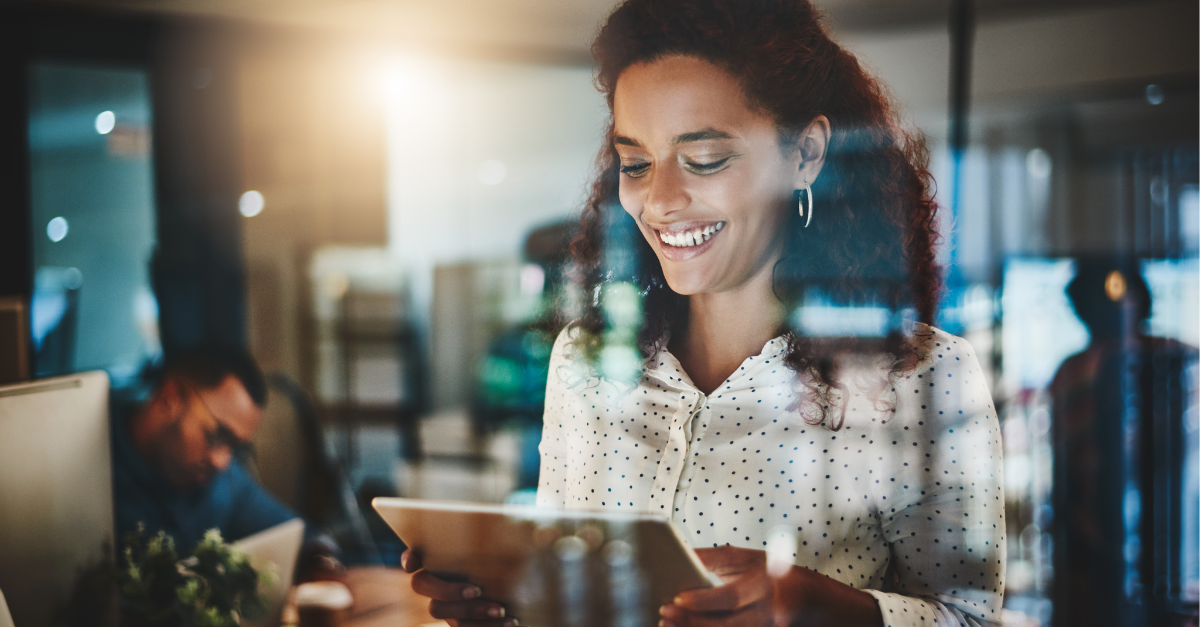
<point x="220" y="436"/>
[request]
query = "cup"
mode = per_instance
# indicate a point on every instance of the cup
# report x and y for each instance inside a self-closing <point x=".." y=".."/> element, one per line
<point x="323" y="603"/>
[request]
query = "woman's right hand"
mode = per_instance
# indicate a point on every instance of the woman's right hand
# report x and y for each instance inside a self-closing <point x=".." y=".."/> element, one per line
<point x="458" y="603"/>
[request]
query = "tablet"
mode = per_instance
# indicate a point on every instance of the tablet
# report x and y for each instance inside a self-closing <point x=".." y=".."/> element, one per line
<point x="553" y="567"/>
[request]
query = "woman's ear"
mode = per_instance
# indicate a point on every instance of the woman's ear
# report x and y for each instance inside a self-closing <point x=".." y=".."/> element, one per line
<point x="812" y="145"/>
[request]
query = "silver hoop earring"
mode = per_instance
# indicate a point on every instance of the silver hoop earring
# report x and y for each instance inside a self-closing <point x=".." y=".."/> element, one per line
<point x="800" y="203"/>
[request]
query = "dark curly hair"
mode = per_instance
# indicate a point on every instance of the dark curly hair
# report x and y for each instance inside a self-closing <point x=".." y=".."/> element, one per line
<point x="871" y="240"/>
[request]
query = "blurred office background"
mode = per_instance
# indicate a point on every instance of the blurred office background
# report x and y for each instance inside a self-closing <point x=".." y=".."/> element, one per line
<point x="375" y="197"/>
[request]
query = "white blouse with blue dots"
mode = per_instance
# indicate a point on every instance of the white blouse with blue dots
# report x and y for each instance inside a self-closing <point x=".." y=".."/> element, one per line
<point x="904" y="500"/>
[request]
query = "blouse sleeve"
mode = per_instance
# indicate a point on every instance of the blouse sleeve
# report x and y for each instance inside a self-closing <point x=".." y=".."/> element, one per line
<point x="938" y="472"/>
<point x="552" y="474"/>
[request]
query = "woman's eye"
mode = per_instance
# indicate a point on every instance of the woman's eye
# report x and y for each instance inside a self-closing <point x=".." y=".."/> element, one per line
<point x="635" y="170"/>
<point x="707" y="168"/>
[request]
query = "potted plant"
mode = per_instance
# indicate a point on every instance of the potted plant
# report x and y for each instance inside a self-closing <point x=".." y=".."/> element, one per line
<point x="214" y="587"/>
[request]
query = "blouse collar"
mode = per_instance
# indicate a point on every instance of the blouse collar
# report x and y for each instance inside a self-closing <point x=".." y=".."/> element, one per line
<point x="665" y="367"/>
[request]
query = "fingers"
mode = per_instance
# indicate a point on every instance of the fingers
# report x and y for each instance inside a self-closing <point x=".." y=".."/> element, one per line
<point x="471" y="612"/>
<point x="460" y="602"/>
<point x="745" y="599"/>
<point x="491" y="622"/>
<point x="426" y="584"/>
<point x="410" y="560"/>
<point x="672" y="616"/>
<point x="755" y="615"/>
<point x="737" y="594"/>
<point x="727" y="560"/>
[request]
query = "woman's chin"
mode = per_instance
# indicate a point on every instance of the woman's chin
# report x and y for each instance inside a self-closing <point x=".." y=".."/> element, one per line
<point x="687" y="283"/>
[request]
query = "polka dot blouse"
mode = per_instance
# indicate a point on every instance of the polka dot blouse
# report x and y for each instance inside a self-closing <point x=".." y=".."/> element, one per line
<point x="903" y="501"/>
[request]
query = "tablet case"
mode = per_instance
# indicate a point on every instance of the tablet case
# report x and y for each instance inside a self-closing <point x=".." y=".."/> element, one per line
<point x="552" y="568"/>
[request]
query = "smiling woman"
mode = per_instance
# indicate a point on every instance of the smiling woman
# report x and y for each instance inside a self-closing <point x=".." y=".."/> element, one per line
<point x="698" y="166"/>
<point x="827" y="481"/>
<point x="761" y="96"/>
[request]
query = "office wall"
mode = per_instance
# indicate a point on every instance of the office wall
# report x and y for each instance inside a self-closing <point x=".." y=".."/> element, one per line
<point x="479" y="154"/>
<point x="312" y="143"/>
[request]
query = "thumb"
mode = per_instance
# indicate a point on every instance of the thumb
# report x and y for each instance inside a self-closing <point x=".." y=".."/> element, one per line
<point x="730" y="560"/>
<point x="410" y="561"/>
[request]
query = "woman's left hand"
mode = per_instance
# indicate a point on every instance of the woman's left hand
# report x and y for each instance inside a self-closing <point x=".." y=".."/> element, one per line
<point x="747" y="598"/>
<point x="751" y="597"/>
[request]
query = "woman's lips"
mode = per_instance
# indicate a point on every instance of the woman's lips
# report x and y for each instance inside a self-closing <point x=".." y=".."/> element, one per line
<point x="681" y="244"/>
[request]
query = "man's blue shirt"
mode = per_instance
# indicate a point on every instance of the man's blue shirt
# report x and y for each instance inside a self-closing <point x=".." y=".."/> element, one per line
<point x="233" y="501"/>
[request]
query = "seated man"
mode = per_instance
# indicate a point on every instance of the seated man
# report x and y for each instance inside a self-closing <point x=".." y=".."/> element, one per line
<point x="175" y="457"/>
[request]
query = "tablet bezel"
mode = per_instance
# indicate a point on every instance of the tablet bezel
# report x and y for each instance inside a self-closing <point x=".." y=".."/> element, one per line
<point x="673" y="568"/>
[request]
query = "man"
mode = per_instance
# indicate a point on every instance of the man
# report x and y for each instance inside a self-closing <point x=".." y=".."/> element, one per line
<point x="175" y="458"/>
<point x="1123" y="377"/>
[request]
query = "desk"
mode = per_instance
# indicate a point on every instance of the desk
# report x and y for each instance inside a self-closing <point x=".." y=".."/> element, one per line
<point x="384" y="597"/>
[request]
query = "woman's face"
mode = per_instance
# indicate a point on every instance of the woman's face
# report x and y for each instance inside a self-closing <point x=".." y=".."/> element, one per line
<point x="702" y="174"/>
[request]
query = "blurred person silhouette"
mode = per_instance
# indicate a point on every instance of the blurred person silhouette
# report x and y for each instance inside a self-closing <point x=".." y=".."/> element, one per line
<point x="1122" y="373"/>
<point x="512" y="375"/>
<point x="178" y="458"/>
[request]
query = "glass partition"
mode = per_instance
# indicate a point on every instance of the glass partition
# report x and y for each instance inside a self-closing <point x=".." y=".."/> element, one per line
<point x="93" y="220"/>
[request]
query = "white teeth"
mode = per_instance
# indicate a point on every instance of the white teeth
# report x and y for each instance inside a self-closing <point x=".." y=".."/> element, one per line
<point x="690" y="238"/>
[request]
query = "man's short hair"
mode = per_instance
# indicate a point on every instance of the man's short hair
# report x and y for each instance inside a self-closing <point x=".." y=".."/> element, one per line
<point x="1088" y="290"/>
<point x="208" y="366"/>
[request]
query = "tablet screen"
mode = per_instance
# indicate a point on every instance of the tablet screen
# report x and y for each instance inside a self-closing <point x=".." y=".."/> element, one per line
<point x="552" y="567"/>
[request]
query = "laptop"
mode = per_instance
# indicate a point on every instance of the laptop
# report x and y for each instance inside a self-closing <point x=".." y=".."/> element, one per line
<point x="274" y="550"/>
<point x="5" y="617"/>
<point x="56" y="504"/>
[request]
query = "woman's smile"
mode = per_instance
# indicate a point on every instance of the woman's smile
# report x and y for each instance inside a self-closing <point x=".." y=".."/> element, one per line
<point x="683" y="241"/>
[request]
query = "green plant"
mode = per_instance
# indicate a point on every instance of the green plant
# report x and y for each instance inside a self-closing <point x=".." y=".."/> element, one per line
<point x="215" y="587"/>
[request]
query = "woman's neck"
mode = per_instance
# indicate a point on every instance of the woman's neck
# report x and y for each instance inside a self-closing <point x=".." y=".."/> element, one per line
<point x="725" y="328"/>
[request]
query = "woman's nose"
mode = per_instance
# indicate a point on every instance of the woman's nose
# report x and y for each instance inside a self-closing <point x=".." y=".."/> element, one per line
<point x="665" y="193"/>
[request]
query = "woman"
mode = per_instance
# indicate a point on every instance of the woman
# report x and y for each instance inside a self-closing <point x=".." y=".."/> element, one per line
<point x="764" y="169"/>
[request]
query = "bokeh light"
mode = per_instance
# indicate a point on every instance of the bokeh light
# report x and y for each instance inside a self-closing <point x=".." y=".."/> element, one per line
<point x="57" y="229"/>
<point x="1154" y="94"/>
<point x="251" y="204"/>
<point x="1114" y="286"/>
<point x="106" y="122"/>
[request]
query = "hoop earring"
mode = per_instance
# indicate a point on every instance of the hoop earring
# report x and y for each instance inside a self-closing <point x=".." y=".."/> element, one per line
<point x="800" y="204"/>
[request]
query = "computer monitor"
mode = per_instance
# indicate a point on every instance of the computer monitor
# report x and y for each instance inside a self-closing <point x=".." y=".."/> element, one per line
<point x="56" y="504"/>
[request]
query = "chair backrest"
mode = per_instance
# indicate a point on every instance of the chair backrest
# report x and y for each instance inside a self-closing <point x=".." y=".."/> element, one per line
<point x="291" y="463"/>
<point x="281" y="451"/>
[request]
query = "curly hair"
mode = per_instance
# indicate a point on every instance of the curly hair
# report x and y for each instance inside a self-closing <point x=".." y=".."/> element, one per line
<point x="872" y="241"/>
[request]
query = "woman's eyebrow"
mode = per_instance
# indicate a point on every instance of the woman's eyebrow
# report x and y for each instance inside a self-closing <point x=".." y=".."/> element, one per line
<point x="694" y="136"/>
<point x="699" y="136"/>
